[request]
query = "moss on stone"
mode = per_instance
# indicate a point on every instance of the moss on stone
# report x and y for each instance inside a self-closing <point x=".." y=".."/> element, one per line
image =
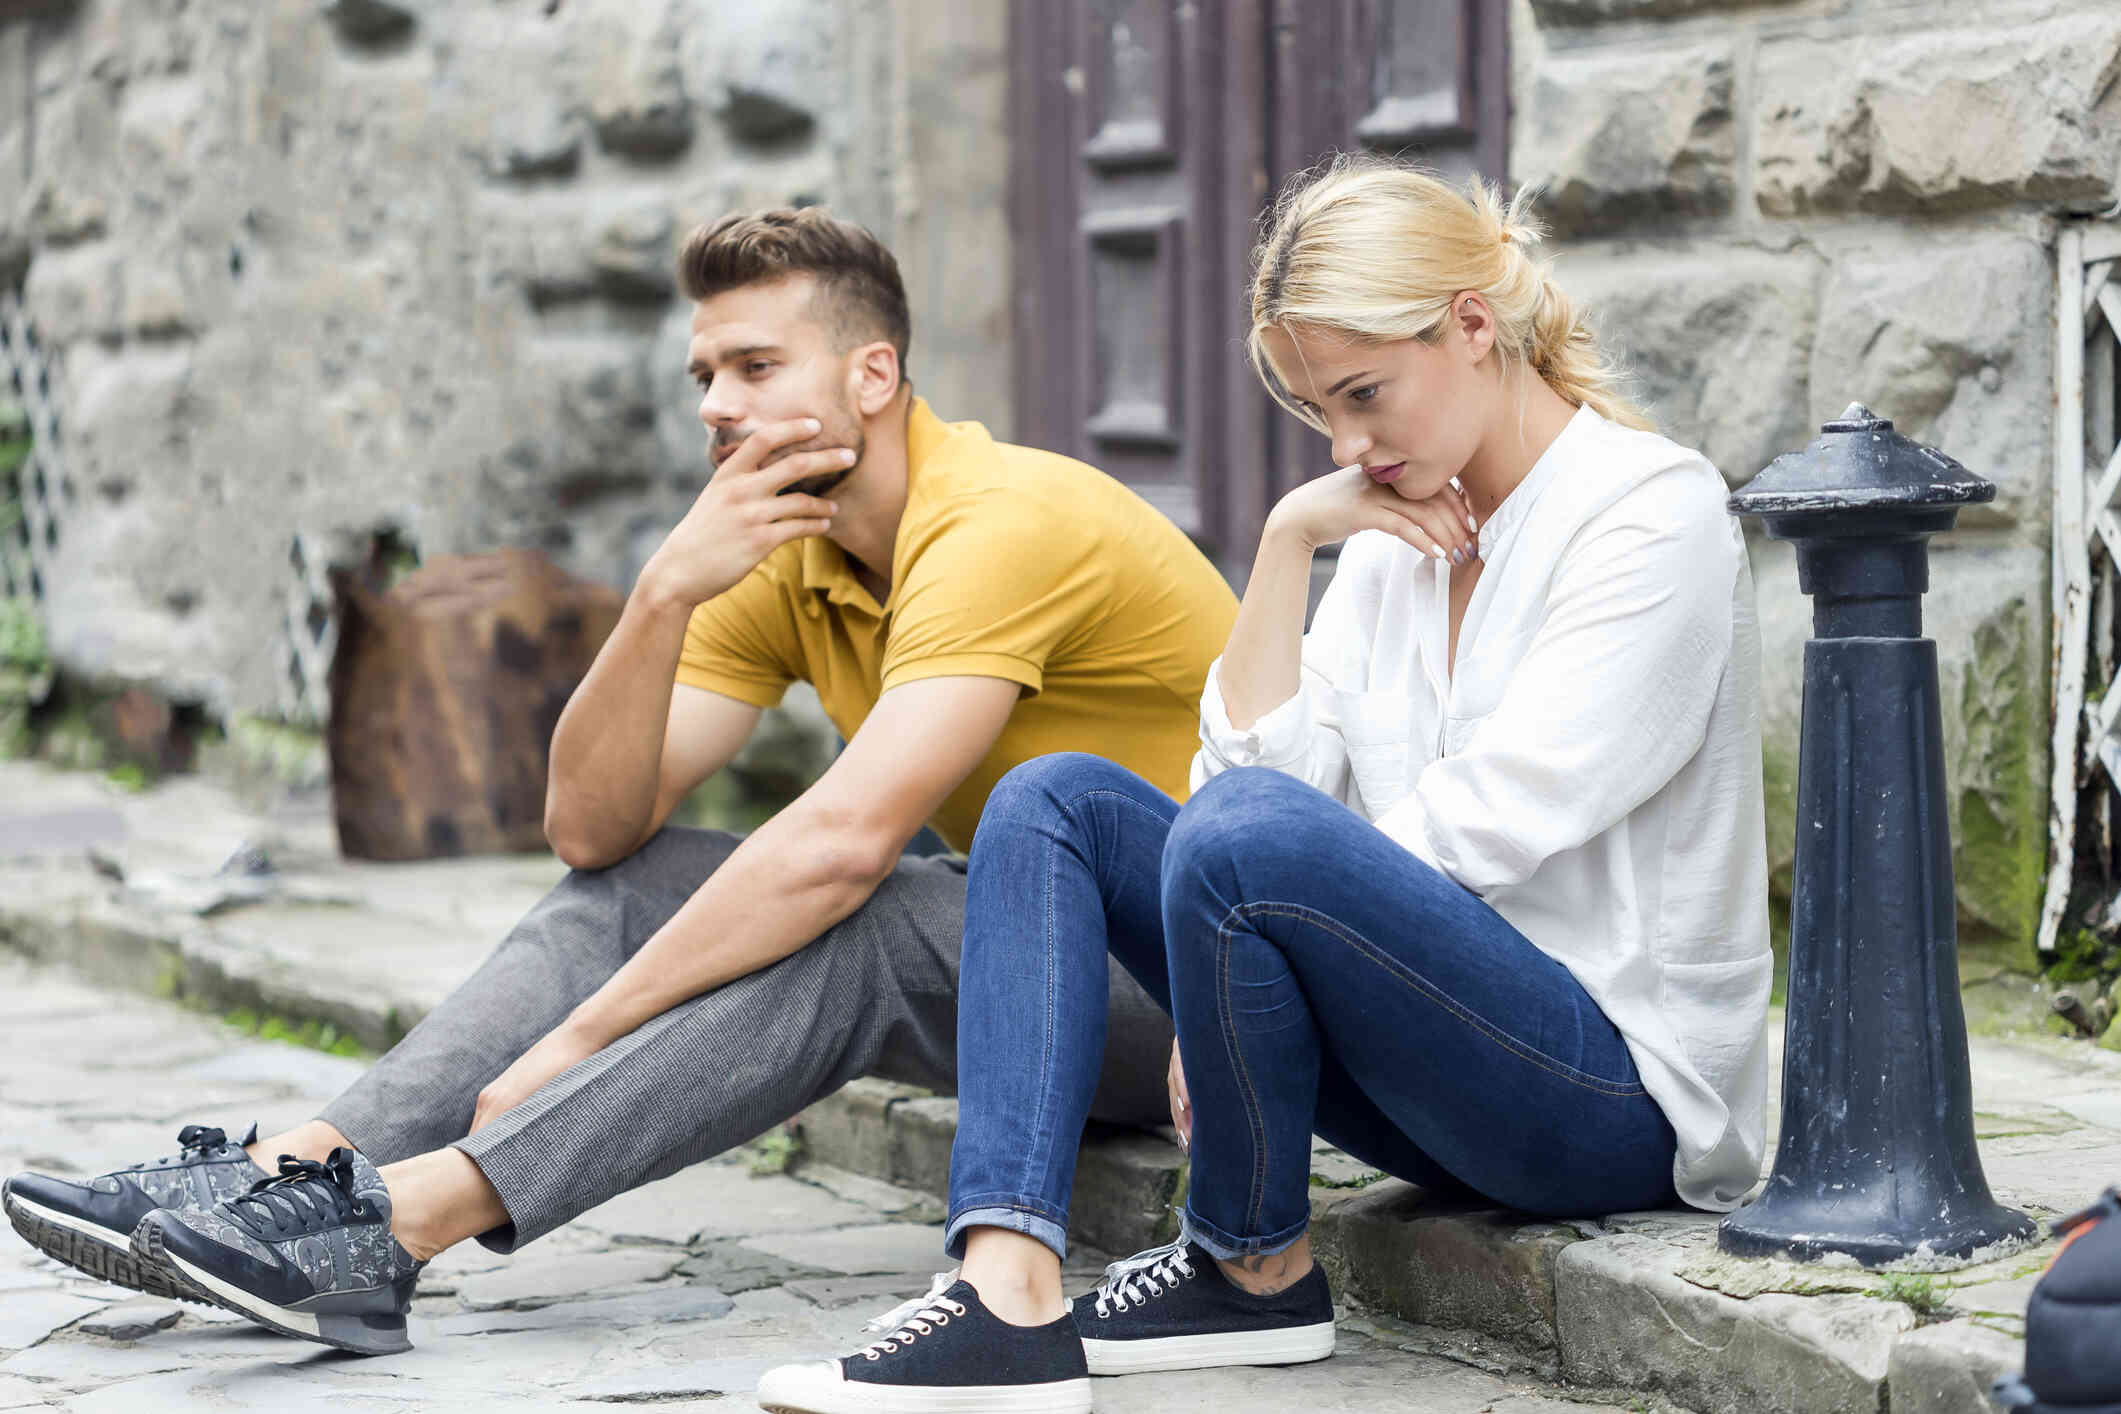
<point x="2000" y="864"/>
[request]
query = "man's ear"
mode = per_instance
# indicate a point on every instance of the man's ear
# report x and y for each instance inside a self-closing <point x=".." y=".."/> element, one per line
<point x="876" y="377"/>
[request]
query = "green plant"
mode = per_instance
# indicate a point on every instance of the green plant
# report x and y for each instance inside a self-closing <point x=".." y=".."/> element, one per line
<point x="774" y="1153"/>
<point x="1918" y="1291"/>
<point x="313" y="1034"/>
<point x="2083" y="956"/>
<point x="1361" y="1180"/>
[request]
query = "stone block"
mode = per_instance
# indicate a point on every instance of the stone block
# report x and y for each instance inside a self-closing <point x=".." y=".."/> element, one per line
<point x="368" y="22"/>
<point x="1128" y="1188"/>
<point x="922" y="1131"/>
<point x="69" y="196"/>
<point x="632" y="249"/>
<point x="1625" y="1319"/>
<point x="130" y="1320"/>
<point x="756" y="68"/>
<point x="1952" y="340"/>
<point x="632" y="78"/>
<point x="1630" y="137"/>
<point x="2026" y="112"/>
<point x="77" y="292"/>
<point x="852" y="1129"/>
<point x="1720" y="342"/>
<point x="1947" y="1369"/>
<point x="545" y="1279"/>
<point x="1399" y="1251"/>
<point x="603" y="415"/>
<point x="445" y="693"/>
<point x="878" y="1249"/>
<point x="1585" y="12"/>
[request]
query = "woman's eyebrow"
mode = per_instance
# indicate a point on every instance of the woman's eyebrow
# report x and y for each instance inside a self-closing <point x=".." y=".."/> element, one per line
<point x="1347" y="380"/>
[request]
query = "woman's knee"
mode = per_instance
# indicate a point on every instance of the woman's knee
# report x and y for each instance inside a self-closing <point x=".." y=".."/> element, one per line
<point x="1237" y="813"/>
<point x="1042" y="789"/>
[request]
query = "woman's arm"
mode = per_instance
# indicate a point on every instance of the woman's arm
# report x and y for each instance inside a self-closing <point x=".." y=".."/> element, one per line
<point x="1261" y="667"/>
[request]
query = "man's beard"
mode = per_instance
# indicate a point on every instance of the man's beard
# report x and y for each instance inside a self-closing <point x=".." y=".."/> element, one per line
<point x="840" y="430"/>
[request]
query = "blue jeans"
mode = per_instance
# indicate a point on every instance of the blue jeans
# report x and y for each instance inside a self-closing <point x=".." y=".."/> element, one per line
<point x="1321" y="978"/>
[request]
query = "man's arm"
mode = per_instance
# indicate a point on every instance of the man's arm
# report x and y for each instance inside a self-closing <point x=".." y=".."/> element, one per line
<point x="631" y="743"/>
<point x="795" y="876"/>
<point x="613" y="779"/>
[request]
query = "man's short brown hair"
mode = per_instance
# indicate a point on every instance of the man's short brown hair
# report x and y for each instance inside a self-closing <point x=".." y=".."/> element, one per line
<point x="857" y="277"/>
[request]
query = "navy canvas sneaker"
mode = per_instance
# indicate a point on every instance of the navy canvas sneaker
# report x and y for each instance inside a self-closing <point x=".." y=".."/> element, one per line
<point x="89" y="1226"/>
<point x="307" y="1252"/>
<point x="945" y="1354"/>
<point x="1171" y="1308"/>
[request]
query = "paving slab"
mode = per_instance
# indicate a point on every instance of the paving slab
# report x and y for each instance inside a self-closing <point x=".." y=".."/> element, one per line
<point x="532" y="1281"/>
<point x="860" y="1251"/>
<point x="130" y="1320"/>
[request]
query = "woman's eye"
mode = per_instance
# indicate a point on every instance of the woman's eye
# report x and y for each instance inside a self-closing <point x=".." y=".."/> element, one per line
<point x="1363" y="394"/>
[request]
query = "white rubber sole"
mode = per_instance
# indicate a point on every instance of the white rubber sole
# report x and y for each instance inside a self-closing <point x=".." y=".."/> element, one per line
<point x="1296" y="1345"/>
<point x="96" y="1231"/>
<point x="239" y="1300"/>
<point x="819" y="1389"/>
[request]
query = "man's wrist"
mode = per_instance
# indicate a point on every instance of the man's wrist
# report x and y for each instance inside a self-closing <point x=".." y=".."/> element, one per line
<point x="654" y="593"/>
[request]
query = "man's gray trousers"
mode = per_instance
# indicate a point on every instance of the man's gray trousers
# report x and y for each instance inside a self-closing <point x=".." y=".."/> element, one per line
<point x="875" y="995"/>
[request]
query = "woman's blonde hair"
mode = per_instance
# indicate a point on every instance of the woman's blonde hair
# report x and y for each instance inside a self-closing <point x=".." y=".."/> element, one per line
<point x="1376" y="249"/>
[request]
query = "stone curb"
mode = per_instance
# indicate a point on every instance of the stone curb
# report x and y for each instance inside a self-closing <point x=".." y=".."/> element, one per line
<point x="190" y="961"/>
<point x="1600" y="1304"/>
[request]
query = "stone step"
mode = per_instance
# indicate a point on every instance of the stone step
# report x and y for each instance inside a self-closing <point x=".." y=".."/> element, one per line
<point x="1633" y="1304"/>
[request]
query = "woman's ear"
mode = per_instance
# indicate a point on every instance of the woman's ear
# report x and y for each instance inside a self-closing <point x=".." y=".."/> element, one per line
<point x="876" y="377"/>
<point x="1474" y="322"/>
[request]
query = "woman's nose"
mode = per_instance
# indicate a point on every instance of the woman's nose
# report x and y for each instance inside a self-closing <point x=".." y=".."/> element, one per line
<point x="1349" y="449"/>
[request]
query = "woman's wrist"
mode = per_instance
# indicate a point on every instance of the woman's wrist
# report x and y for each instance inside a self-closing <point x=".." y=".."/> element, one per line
<point x="1281" y="538"/>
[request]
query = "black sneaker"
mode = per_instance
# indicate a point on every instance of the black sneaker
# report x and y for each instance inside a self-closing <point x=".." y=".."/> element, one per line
<point x="945" y="1354"/>
<point x="307" y="1253"/>
<point x="1171" y="1308"/>
<point x="89" y="1226"/>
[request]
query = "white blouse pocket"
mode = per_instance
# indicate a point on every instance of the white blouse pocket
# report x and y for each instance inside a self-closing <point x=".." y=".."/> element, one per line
<point x="1378" y="728"/>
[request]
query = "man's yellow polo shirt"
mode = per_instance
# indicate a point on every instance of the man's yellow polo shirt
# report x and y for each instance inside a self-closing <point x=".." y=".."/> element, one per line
<point x="1010" y="563"/>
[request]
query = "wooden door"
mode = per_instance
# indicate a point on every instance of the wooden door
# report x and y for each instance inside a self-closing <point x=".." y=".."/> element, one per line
<point x="1149" y="135"/>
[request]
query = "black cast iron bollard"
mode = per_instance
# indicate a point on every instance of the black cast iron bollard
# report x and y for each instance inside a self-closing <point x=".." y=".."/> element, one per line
<point x="1877" y="1156"/>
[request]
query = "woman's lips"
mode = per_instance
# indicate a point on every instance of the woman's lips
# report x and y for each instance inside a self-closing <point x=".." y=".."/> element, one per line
<point x="1385" y="474"/>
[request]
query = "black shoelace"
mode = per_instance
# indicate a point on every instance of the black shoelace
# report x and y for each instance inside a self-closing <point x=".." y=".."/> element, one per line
<point x="302" y="1197"/>
<point x="199" y="1139"/>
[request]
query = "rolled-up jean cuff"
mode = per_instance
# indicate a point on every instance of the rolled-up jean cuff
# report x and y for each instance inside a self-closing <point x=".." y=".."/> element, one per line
<point x="1012" y="1219"/>
<point x="1222" y="1246"/>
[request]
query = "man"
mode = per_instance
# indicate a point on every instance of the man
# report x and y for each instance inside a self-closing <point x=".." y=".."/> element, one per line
<point x="961" y="606"/>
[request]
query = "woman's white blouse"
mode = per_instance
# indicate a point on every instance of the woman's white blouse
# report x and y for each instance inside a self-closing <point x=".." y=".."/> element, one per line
<point x="1591" y="768"/>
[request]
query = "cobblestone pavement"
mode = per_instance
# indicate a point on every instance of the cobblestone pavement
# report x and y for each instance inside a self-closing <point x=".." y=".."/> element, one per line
<point x="682" y="1292"/>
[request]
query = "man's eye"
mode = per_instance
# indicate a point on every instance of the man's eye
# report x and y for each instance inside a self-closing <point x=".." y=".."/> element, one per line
<point x="757" y="366"/>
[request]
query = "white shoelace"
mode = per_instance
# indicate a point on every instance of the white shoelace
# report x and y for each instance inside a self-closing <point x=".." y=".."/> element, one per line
<point x="912" y="1319"/>
<point x="1133" y="1280"/>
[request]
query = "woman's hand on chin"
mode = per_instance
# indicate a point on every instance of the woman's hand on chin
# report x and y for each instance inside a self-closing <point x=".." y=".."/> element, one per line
<point x="1328" y="509"/>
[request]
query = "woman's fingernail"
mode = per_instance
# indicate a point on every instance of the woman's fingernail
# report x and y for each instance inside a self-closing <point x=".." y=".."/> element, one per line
<point x="811" y="424"/>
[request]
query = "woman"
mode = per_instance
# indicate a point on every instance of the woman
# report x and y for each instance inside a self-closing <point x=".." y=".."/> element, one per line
<point x="1473" y="880"/>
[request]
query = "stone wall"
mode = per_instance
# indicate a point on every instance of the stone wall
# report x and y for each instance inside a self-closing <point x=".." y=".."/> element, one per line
<point x="1782" y="206"/>
<point x="320" y="272"/>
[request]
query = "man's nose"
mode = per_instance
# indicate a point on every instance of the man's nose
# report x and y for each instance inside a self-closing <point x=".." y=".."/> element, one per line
<point x="719" y="408"/>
